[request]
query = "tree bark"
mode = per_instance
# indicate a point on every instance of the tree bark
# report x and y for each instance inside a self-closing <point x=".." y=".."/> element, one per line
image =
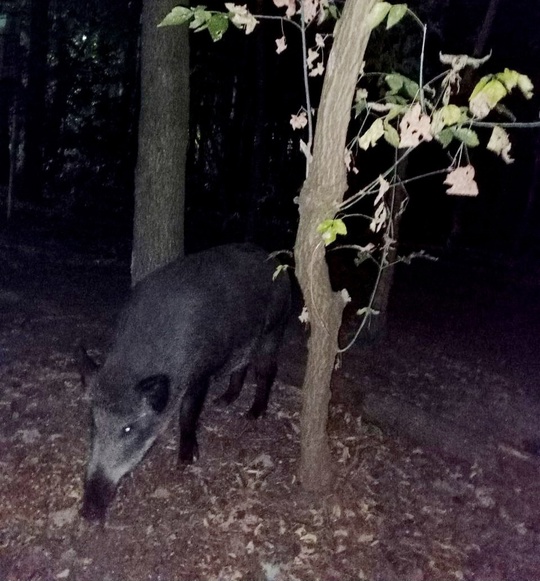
<point x="163" y="138"/>
<point x="319" y="199"/>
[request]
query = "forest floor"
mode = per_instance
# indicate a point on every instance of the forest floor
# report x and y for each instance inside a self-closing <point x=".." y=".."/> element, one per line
<point x="434" y="432"/>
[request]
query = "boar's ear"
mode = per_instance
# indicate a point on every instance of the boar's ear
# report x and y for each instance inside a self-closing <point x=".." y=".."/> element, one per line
<point x="87" y="366"/>
<point x="155" y="389"/>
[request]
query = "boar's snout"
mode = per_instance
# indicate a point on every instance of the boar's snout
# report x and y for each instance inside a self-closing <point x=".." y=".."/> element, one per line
<point x="98" y="494"/>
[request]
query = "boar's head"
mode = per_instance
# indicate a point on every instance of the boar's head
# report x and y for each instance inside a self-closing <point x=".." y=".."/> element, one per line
<point x="127" y="417"/>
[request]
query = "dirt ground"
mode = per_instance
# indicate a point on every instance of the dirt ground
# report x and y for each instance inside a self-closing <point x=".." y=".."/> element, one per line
<point x="434" y="433"/>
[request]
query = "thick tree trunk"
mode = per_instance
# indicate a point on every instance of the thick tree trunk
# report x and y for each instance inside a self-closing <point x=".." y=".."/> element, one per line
<point x="163" y="138"/>
<point x="319" y="199"/>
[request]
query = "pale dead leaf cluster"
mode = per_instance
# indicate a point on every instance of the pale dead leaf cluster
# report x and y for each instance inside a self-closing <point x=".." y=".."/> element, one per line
<point x="452" y="81"/>
<point x="299" y="121"/>
<point x="461" y="181"/>
<point x="281" y="44"/>
<point x="242" y="17"/>
<point x="499" y="143"/>
<point x="380" y="215"/>
<point x="289" y="4"/>
<point x="415" y="127"/>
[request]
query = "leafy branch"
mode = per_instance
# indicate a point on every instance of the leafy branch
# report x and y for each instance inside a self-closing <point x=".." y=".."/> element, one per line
<point x="407" y="114"/>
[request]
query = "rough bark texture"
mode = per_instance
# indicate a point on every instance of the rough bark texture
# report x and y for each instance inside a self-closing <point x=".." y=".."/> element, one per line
<point x="322" y="191"/>
<point x="163" y="137"/>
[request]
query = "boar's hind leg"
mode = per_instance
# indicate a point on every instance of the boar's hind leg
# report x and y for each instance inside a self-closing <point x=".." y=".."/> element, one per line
<point x="190" y="410"/>
<point x="235" y="387"/>
<point x="266" y="366"/>
<point x="265" y="373"/>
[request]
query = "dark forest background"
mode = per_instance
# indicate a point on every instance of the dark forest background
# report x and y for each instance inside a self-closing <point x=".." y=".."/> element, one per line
<point x="69" y="105"/>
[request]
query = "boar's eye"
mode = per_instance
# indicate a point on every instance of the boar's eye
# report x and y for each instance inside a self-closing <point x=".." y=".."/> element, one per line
<point x="127" y="430"/>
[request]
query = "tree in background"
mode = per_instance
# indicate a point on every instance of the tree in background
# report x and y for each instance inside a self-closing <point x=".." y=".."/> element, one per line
<point x="68" y="98"/>
<point x="32" y="171"/>
<point x="163" y="139"/>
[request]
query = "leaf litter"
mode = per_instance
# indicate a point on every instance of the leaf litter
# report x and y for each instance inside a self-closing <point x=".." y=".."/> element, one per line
<point x="396" y="510"/>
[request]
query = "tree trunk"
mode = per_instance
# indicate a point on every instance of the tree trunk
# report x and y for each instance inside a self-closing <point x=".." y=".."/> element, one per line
<point x="319" y="199"/>
<point x="14" y="146"/>
<point x="257" y="178"/>
<point x="163" y="138"/>
<point x="486" y="28"/>
<point x="524" y="229"/>
<point x="469" y="78"/>
<point x="32" y="171"/>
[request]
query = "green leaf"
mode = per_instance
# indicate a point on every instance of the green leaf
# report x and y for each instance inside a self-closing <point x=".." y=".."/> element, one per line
<point x="508" y="78"/>
<point x="512" y="79"/>
<point x="359" y="107"/>
<point x="201" y="17"/>
<point x="411" y="88"/>
<point x="487" y="93"/>
<point x="450" y="115"/>
<point x="391" y="135"/>
<point x="329" y="10"/>
<point x="394" y="81"/>
<point x="445" y="116"/>
<point x="480" y="86"/>
<point x="396" y="111"/>
<point x="330" y="229"/>
<point x="445" y="137"/>
<point x="398" y="83"/>
<point x="396" y="13"/>
<point x="360" y="101"/>
<point x="378" y="14"/>
<point x="279" y="269"/>
<point x="333" y="11"/>
<point x="217" y="26"/>
<point x="492" y="88"/>
<point x="178" y="15"/>
<point x="466" y="136"/>
<point x="372" y="135"/>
